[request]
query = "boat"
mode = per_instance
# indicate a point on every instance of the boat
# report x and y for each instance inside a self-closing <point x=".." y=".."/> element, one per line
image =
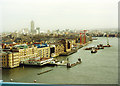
<point x="107" y="45"/>
<point x="44" y="72"/>
<point x="74" y="64"/>
<point x="93" y="50"/>
<point x="88" y="48"/>
<point x="100" y="46"/>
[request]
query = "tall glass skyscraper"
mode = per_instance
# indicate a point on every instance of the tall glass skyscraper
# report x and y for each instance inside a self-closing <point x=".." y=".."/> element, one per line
<point x="32" y="26"/>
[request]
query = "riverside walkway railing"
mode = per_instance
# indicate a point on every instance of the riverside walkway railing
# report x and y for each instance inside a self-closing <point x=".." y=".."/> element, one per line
<point x="26" y="84"/>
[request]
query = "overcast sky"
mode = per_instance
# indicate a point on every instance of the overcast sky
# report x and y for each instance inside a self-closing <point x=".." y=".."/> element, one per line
<point x="58" y="14"/>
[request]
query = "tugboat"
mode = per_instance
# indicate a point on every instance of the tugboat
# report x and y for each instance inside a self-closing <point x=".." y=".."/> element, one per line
<point x="107" y="45"/>
<point x="93" y="50"/>
<point x="100" y="46"/>
<point x="88" y="48"/>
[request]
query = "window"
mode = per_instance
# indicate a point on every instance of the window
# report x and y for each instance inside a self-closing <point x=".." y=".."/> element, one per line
<point x="52" y="50"/>
<point x="68" y="45"/>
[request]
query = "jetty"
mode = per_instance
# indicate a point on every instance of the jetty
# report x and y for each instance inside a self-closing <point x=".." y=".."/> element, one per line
<point x="58" y="63"/>
<point x="37" y="61"/>
<point x="74" y="64"/>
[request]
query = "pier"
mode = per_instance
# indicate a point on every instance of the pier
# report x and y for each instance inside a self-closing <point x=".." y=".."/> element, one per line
<point x="37" y="61"/>
<point x="74" y="64"/>
<point x="58" y="63"/>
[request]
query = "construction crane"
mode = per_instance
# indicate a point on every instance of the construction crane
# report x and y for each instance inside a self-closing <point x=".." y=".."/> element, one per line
<point x="84" y="36"/>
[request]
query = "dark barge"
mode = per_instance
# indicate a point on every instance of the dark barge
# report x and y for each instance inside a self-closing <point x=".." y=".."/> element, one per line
<point x="44" y="72"/>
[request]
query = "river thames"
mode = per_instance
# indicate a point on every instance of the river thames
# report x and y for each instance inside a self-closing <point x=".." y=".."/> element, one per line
<point x="98" y="68"/>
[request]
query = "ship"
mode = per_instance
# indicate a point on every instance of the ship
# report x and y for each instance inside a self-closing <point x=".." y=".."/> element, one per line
<point x="93" y="50"/>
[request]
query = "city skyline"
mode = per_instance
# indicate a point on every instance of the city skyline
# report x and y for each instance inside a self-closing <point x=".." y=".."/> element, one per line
<point x="52" y="14"/>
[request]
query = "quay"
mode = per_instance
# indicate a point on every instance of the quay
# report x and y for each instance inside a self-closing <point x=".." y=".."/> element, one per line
<point x="68" y="53"/>
<point x="74" y="50"/>
<point x="50" y="61"/>
<point x="65" y="63"/>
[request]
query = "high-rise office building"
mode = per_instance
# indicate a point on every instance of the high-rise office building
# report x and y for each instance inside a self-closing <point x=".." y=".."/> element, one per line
<point x="32" y="26"/>
<point x="38" y="30"/>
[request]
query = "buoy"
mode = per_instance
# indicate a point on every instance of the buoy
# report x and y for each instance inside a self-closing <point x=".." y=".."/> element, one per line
<point x="11" y="80"/>
<point x="34" y="81"/>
